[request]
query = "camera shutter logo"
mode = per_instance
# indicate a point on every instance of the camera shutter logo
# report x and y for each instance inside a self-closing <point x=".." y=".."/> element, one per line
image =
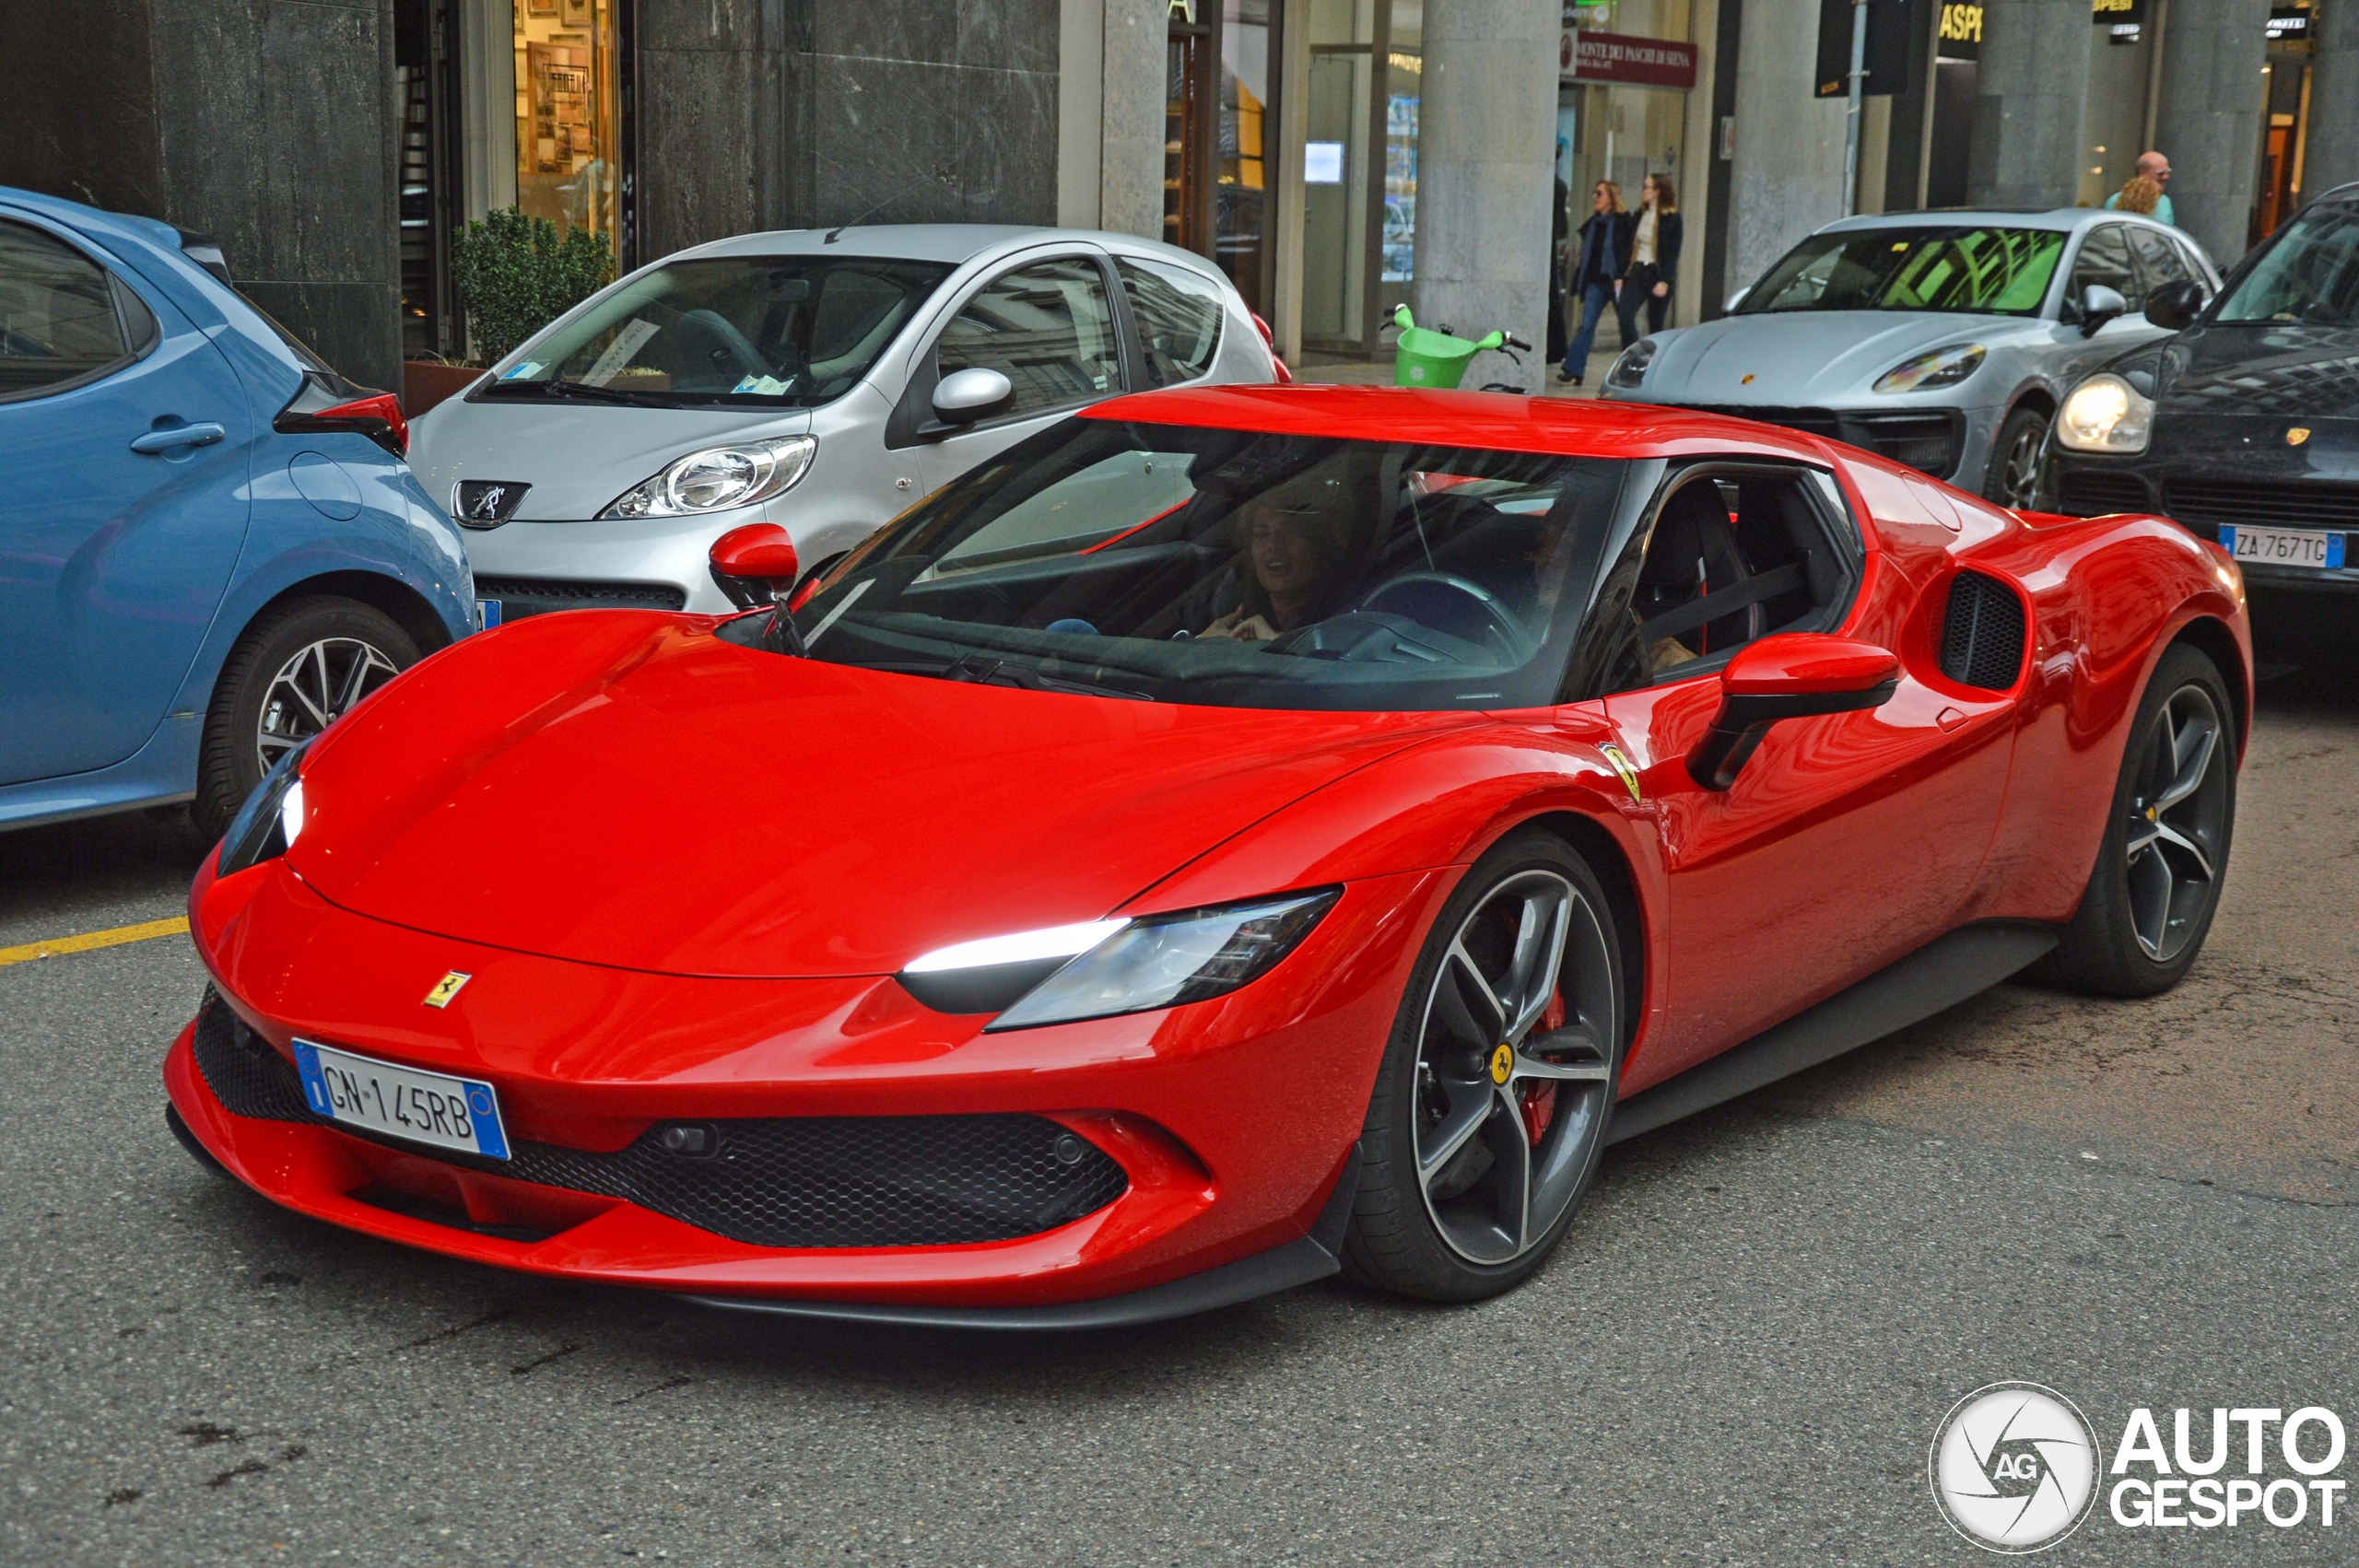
<point x="2014" y="1466"/>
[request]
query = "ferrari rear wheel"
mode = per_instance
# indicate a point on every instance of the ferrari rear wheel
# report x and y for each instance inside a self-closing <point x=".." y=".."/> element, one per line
<point x="1489" y="1113"/>
<point x="2156" y="884"/>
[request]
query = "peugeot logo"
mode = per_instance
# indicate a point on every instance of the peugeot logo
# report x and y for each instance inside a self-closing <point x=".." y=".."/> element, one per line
<point x="486" y="503"/>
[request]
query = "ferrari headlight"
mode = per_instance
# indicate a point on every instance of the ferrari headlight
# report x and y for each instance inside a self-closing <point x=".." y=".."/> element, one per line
<point x="271" y="819"/>
<point x="2106" y="413"/>
<point x="718" y="478"/>
<point x="1929" y="372"/>
<point x="1631" y="367"/>
<point x="1105" y="967"/>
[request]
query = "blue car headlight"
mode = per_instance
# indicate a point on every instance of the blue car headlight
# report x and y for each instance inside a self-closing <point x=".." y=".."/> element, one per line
<point x="1103" y="968"/>
<point x="270" y="820"/>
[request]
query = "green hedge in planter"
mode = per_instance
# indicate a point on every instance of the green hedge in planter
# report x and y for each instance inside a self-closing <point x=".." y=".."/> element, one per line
<point x="515" y="275"/>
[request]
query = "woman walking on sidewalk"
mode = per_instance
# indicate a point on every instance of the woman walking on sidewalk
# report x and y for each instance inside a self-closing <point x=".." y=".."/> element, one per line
<point x="1600" y="258"/>
<point x="1654" y="258"/>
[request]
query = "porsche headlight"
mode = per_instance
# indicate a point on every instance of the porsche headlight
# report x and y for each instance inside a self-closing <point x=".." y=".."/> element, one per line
<point x="718" y="478"/>
<point x="2106" y="413"/>
<point x="1930" y="372"/>
<point x="1105" y="967"/>
<point x="271" y="819"/>
<point x="1631" y="367"/>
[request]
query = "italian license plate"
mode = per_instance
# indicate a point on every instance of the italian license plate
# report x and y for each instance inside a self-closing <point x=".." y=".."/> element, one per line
<point x="402" y="1101"/>
<point x="2284" y="546"/>
<point x="487" y="612"/>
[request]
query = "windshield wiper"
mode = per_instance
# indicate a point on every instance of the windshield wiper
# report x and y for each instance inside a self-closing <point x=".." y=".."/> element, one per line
<point x="582" y="389"/>
<point x="981" y="669"/>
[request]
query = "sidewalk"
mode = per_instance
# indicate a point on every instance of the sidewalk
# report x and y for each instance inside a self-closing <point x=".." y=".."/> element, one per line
<point x="1486" y="368"/>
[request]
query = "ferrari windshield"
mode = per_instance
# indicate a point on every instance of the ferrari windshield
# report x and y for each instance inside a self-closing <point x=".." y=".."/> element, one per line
<point x="2310" y="274"/>
<point x="1997" y="272"/>
<point x="1236" y="568"/>
<point x="766" y="332"/>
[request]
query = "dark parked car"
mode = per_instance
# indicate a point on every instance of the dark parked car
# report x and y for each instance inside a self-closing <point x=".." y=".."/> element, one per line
<point x="2244" y="426"/>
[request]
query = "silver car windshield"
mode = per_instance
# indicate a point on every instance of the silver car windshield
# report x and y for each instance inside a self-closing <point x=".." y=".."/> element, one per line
<point x="2310" y="274"/>
<point x="1235" y="568"/>
<point x="762" y="331"/>
<point x="1985" y="271"/>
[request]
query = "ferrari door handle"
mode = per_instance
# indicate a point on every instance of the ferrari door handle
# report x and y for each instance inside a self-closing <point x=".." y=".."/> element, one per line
<point x="179" y="436"/>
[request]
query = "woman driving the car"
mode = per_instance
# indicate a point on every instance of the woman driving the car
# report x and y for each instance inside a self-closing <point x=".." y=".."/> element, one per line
<point x="1291" y="559"/>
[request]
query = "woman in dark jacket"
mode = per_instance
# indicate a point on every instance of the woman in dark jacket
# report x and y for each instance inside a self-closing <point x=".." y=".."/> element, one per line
<point x="1600" y="255"/>
<point x="1656" y="232"/>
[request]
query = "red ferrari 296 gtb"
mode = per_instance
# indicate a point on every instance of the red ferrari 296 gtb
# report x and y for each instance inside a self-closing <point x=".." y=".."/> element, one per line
<point x="1233" y="835"/>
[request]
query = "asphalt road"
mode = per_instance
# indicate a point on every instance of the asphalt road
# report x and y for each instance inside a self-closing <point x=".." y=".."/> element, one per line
<point x="1739" y="1356"/>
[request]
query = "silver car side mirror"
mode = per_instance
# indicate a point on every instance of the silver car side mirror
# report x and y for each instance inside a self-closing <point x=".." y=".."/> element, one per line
<point x="2098" y="306"/>
<point x="970" y="394"/>
<point x="1738" y="298"/>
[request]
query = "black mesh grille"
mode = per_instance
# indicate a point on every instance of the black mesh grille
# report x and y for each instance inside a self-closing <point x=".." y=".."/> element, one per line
<point x="2269" y="503"/>
<point x="2097" y="492"/>
<point x="785" y="1181"/>
<point x="531" y="595"/>
<point x="1982" y="633"/>
<point x="1927" y="440"/>
<point x="1813" y="421"/>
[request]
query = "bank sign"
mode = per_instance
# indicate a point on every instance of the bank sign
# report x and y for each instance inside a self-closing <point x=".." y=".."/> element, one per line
<point x="1589" y="57"/>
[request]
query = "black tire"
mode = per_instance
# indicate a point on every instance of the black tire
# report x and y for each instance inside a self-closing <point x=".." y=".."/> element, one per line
<point x="241" y="721"/>
<point x="2115" y="944"/>
<point x="1401" y="1238"/>
<point x="2017" y="458"/>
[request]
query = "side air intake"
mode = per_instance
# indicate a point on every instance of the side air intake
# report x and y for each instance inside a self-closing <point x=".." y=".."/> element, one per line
<point x="1982" y="633"/>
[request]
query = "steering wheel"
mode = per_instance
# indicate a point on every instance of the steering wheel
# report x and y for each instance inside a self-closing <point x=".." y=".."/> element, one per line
<point x="1501" y="634"/>
<point x="1374" y="637"/>
<point x="716" y="340"/>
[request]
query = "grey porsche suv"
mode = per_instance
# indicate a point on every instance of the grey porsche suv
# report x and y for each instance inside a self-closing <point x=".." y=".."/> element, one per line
<point x="1941" y="340"/>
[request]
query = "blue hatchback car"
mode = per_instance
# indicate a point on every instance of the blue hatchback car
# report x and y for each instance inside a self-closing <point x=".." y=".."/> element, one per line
<point x="210" y="546"/>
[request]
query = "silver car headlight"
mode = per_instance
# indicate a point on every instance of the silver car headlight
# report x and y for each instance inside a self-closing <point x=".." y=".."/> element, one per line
<point x="2106" y="413"/>
<point x="1103" y="968"/>
<point x="1631" y="367"/>
<point x="1929" y="372"/>
<point x="717" y="478"/>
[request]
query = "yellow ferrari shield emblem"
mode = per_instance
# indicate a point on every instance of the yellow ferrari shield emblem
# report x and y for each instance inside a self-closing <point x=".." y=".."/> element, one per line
<point x="446" y="987"/>
<point x="1629" y="775"/>
<point x="2297" y="435"/>
<point x="1502" y="1064"/>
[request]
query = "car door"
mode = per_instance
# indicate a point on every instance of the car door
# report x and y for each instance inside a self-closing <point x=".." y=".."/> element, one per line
<point x="124" y="444"/>
<point x="1849" y="840"/>
<point x="1045" y="322"/>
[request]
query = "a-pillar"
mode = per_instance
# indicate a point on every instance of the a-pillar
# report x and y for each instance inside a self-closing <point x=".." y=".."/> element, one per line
<point x="2029" y="90"/>
<point x="2331" y="156"/>
<point x="2208" y="121"/>
<point x="1487" y="160"/>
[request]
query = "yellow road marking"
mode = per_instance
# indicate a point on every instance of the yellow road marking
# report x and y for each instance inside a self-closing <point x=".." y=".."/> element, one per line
<point x="90" y="939"/>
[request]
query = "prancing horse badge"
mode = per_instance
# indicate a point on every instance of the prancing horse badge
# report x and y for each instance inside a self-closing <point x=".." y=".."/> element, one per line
<point x="1622" y="766"/>
<point x="446" y="987"/>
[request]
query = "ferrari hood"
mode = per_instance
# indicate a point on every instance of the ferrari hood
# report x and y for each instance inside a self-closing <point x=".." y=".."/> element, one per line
<point x="624" y="788"/>
<point x="1802" y="357"/>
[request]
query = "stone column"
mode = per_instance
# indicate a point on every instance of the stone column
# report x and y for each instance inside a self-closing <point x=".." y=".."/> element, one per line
<point x="2033" y="78"/>
<point x="1487" y="148"/>
<point x="2208" y="121"/>
<point x="2332" y="156"/>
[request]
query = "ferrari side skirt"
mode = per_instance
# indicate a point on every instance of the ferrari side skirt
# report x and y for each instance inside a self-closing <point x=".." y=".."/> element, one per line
<point x="1297" y="1262"/>
<point x="1936" y="976"/>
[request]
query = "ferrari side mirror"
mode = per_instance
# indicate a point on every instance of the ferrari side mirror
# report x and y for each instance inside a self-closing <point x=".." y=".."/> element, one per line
<point x="755" y="565"/>
<point x="2174" y="306"/>
<point x="2098" y="306"/>
<point x="1792" y="675"/>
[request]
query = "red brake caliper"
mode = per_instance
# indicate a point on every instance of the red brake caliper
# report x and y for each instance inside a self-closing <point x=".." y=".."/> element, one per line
<point x="1540" y="1099"/>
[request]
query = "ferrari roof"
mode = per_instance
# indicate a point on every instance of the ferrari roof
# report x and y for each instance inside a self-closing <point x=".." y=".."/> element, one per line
<point x="1493" y="421"/>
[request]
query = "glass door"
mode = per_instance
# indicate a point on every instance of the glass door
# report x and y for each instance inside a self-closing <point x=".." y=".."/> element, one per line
<point x="1248" y="135"/>
<point x="570" y="154"/>
<point x="1190" y="126"/>
<point x="1343" y="210"/>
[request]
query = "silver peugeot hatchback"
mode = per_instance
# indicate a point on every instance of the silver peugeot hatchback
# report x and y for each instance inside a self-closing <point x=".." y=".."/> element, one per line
<point x="821" y="380"/>
<point x="1943" y="340"/>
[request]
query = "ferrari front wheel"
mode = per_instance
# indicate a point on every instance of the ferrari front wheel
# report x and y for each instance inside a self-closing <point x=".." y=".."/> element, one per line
<point x="1490" y="1110"/>
<point x="2159" y="870"/>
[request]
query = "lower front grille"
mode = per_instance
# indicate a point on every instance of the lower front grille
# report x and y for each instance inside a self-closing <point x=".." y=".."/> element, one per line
<point x="535" y="595"/>
<point x="779" y="1181"/>
<point x="2265" y="503"/>
<point x="1925" y="440"/>
<point x="2099" y="492"/>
